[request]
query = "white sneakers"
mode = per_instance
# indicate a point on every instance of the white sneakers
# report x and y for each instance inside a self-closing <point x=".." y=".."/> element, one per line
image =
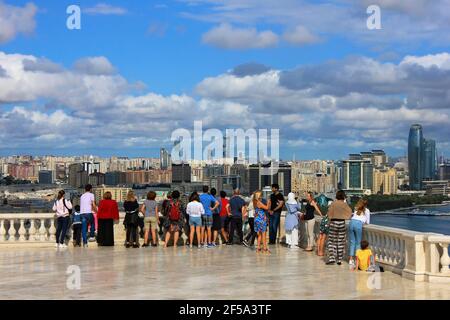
<point x="62" y="246"/>
<point x="351" y="264"/>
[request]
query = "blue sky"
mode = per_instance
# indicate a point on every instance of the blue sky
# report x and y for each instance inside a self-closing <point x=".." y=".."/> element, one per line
<point x="166" y="63"/>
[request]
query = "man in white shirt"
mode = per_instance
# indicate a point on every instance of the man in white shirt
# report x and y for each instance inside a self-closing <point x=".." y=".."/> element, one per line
<point x="87" y="209"/>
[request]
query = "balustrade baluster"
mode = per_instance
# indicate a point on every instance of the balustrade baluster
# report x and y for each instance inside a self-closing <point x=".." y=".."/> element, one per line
<point x="2" y="230"/>
<point x="11" y="231"/>
<point x="445" y="259"/>
<point x="42" y="231"/>
<point x="32" y="231"/>
<point x="22" y="230"/>
<point x="52" y="230"/>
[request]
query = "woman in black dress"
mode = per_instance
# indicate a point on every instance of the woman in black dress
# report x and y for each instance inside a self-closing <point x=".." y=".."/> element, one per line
<point x="131" y="221"/>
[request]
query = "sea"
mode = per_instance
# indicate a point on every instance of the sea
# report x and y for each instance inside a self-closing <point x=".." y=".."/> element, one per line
<point x="434" y="219"/>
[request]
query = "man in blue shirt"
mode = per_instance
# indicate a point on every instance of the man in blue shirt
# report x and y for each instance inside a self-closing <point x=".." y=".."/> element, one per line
<point x="209" y="204"/>
<point x="238" y="211"/>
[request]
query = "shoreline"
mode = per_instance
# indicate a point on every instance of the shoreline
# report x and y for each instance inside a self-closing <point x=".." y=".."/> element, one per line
<point x="413" y="207"/>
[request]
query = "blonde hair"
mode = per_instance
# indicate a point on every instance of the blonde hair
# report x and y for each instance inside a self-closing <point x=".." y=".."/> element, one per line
<point x="361" y="206"/>
<point x="130" y="196"/>
<point x="256" y="197"/>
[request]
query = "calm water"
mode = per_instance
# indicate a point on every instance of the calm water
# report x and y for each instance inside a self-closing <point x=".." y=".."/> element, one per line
<point x="429" y="219"/>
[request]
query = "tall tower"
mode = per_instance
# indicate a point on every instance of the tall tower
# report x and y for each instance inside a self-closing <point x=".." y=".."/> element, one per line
<point x="429" y="159"/>
<point x="415" y="157"/>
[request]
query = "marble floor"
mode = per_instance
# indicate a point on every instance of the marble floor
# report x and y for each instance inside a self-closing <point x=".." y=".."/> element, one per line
<point x="227" y="272"/>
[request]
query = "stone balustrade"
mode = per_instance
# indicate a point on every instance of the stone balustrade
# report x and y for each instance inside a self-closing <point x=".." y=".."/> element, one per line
<point x="413" y="255"/>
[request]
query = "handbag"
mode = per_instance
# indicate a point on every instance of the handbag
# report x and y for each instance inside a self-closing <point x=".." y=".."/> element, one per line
<point x="64" y="202"/>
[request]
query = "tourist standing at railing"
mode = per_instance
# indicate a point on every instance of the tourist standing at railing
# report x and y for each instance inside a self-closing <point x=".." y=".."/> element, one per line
<point x="175" y="219"/>
<point x="195" y="211"/>
<point x="216" y="226"/>
<point x="150" y="209"/>
<point x="108" y="212"/>
<point x="276" y="204"/>
<point x="360" y="217"/>
<point x="260" y="221"/>
<point x="238" y="212"/>
<point x="210" y="204"/>
<point x="292" y="221"/>
<point x="310" y="221"/>
<point x="131" y="220"/>
<point x="225" y="213"/>
<point x="251" y="235"/>
<point x="62" y="208"/>
<point x="338" y="212"/>
<point x="87" y="208"/>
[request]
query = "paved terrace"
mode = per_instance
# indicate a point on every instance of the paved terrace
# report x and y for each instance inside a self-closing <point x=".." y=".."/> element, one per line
<point x="226" y="272"/>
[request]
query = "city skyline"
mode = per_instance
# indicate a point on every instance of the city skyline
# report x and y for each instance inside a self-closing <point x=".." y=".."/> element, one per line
<point x="119" y="85"/>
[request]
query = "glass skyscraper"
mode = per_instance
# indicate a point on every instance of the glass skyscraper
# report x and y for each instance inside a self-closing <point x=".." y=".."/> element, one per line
<point x="415" y="162"/>
<point x="422" y="161"/>
<point x="429" y="159"/>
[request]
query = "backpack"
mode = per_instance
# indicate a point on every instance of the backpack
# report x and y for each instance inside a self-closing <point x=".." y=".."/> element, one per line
<point x="174" y="211"/>
<point x="165" y="206"/>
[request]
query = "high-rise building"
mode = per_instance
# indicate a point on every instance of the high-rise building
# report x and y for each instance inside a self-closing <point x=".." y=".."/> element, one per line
<point x="181" y="173"/>
<point x="115" y="178"/>
<point x="415" y="157"/>
<point x="429" y="159"/>
<point x="118" y="194"/>
<point x="259" y="177"/>
<point x="385" y="181"/>
<point x="96" y="179"/>
<point x="422" y="158"/>
<point x="243" y="172"/>
<point x="357" y="175"/>
<point x="164" y="158"/>
<point x="380" y="158"/>
<point x="75" y="175"/>
<point x="46" y="177"/>
<point x="444" y="171"/>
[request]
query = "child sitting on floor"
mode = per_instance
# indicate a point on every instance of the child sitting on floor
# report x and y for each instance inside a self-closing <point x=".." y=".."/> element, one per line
<point x="364" y="258"/>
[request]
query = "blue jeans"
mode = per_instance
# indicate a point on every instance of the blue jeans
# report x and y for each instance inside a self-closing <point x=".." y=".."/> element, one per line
<point x="85" y="219"/>
<point x="355" y="236"/>
<point x="61" y="229"/>
<point x="274" y="222"/>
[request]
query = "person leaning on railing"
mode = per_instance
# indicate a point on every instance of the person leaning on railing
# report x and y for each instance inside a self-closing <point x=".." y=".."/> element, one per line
<point x="338" y="212"/>
<point x="62" y="207"/>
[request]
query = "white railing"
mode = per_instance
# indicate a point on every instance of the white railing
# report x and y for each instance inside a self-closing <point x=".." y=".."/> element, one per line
<point x="36" y="228"/>
<point x="414" y="255"/>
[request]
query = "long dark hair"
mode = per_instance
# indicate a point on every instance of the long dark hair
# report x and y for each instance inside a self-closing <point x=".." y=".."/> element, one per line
<point x="61" y="194"/>
<point x="194" y="197"/>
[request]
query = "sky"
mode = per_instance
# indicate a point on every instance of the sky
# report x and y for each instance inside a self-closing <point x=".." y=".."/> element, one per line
<point x="138" y="70"/>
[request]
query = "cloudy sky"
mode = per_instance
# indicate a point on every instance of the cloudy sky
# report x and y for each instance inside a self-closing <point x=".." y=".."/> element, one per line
<point x="138" y="70"/>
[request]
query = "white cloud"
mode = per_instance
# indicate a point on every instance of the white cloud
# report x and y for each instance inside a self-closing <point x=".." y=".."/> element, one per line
<point x="84" y="88"/>
<point x="300" y="36"/>
<point x="15" y="20"/>
<point x="441" y="61"/>
<point x="105" y="9"/>
<point x="353" y="103"/>
<point x="94" y="66"/>
<point x="403" y="22"/>
<point x="228" y="37"/>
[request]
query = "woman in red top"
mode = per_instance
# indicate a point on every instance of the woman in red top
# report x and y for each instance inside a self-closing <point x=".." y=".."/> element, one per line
<point x="108" y="211"/>
<point x="225" y="213"/>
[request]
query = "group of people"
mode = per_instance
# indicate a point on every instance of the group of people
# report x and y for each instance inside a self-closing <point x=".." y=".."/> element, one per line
<point x="207" y="216"/>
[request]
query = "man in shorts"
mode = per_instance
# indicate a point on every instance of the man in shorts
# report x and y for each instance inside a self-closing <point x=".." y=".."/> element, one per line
<point x="210" y="204"/>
